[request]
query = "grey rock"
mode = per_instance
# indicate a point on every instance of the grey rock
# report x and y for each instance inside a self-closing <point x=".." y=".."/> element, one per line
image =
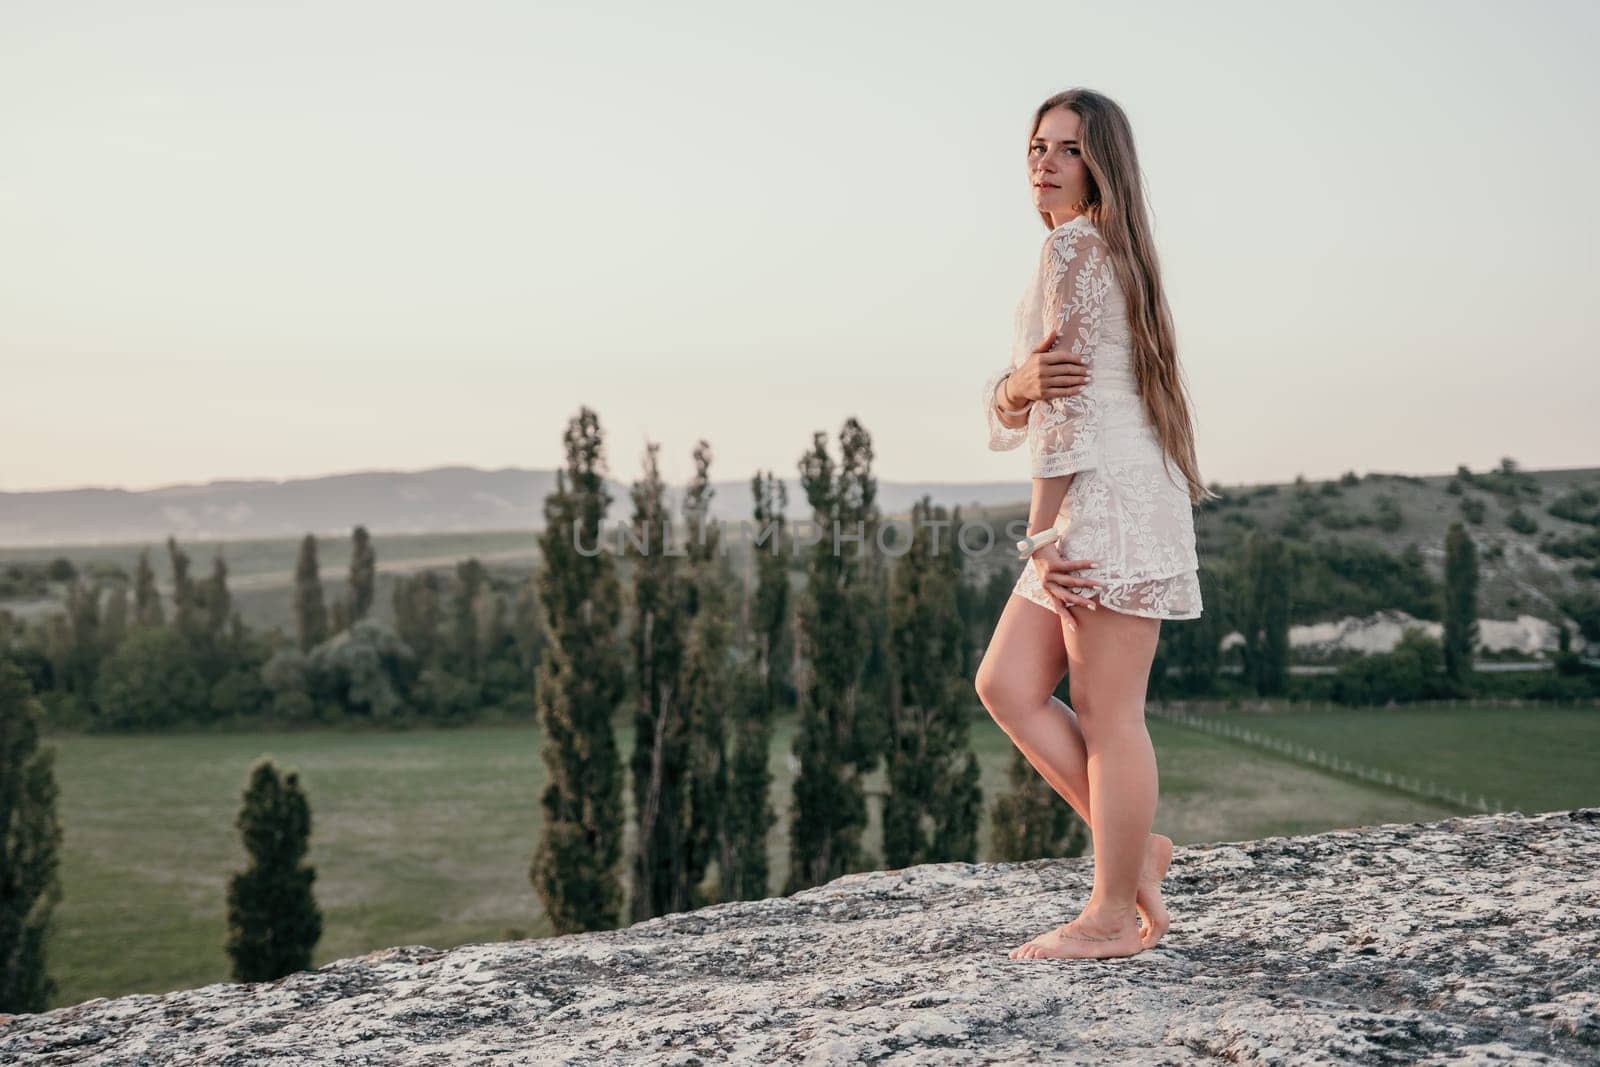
<point x="1469" y="940"/>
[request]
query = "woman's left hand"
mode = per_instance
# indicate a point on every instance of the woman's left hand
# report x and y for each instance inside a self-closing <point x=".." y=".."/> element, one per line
<point x="1057" y="577"/>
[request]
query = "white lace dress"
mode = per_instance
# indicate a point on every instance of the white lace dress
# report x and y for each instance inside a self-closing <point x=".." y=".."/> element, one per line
<point x="1127" y="511"/>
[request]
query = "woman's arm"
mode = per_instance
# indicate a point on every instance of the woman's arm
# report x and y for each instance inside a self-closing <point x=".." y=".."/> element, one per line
<point x="1005" y="431"/>
<point x="1048" y="494"/>
<point x="1077" y="277"/>
<point x="1074" y="280"/>
<point x="1006" y="404"/>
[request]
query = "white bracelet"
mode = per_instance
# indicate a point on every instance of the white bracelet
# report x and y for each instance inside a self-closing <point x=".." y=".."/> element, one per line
<point x="1029" y="545"/>
<point x="1001" y="408"/>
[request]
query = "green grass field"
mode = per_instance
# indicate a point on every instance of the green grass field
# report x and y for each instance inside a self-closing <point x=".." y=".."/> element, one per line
<point x="425" y="837"/>
<point x="1533" y="758"/>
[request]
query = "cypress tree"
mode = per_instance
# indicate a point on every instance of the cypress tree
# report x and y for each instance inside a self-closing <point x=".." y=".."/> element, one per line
<point x="1266" y="621"/>
<point x="218" y="605"/>
<point x="578" y="687"/>
<point x="417" y="615"/>
<point x="709" y="682"/>
<point x="30" y="846"/>
<point x="273" y="920"/>
<point x="660" y="760"/>
<point x="748" y="816"/>
<point x="114" y="627"/>
<point x="933" y="803"/>
<point x="146" y="597"/>
<point x="183" y="591"/>
<point x="835" y="727"/>
<point x="310" y="614"/>
<point x="1460" y="593"/>
<point x="363" y="574"/>
<point x="83" y="650"/>
<point x="219" y="602"/>
<point x="466" y="646"/>
<point x="772" y="607"/>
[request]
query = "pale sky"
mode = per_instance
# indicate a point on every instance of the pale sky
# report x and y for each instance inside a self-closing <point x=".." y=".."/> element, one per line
<point x="272" y="241"/>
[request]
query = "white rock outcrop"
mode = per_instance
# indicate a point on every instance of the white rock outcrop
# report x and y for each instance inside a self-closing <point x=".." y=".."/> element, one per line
<point x="1381" y="631"/>
<point x="1470" y="940"/>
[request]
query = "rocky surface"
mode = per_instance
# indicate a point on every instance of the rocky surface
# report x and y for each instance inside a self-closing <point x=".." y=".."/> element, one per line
<point x="1471" y="940"/>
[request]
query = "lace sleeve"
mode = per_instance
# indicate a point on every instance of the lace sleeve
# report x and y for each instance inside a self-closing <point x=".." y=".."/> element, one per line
<point x="1001" y="436"/>
<point x="1075" y="278"/>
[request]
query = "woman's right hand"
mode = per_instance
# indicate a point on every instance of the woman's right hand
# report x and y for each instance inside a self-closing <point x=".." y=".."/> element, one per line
<point x="1055" y="573"/>
<point x="1048" y="373"/>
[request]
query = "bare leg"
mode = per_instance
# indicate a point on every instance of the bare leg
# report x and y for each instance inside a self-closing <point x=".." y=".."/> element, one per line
<point x="1113" y="653"/>
<point x="1025" y="661"/>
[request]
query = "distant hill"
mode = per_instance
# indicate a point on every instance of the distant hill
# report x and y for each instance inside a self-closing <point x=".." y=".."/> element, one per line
<point x="444" y="499"/>
<point x="1537" y="533"/>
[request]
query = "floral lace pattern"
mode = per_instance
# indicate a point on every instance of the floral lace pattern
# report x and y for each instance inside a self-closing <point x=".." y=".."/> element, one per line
<point x="1126" y="507"/>
<point x="1064" y="432"/>
<point x="1112" y="517"/>
<point x="1001" y="436"/>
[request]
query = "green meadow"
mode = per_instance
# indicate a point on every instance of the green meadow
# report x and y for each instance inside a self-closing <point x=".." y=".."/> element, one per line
<point x="1531" y="758"/>
<point x="425" y="837"/>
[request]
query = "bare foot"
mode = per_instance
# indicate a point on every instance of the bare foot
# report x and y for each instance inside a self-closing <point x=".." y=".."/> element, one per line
<point x="1086" y="937"/>
<point x="1151" y="908"/>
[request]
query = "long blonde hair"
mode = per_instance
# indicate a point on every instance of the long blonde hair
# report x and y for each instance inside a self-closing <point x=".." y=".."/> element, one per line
<point x="1117" y="207"/>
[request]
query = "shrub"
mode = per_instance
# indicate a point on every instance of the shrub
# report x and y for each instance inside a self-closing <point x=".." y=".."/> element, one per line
<point x="1579" y="505"/>
<point x="151" y="680"/>
<point x="359" y="669"/>
<point x="1520" y="522"/>
<point x="1413" y="670"/>
<point x="1388" y="516"/>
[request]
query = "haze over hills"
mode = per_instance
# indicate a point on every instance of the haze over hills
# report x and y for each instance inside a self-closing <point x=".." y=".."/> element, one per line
<point x="1537" y="535"/>
<point x="442" y="499"/>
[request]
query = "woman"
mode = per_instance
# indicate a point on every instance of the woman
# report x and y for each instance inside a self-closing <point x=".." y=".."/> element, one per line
<point x="1094" y="388"/>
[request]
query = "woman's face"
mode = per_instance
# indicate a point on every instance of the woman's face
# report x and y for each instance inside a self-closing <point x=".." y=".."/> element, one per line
<point x="1056" y="170"/>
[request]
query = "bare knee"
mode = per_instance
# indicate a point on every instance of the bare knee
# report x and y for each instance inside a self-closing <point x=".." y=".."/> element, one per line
<point x="1109" y="720"/>
<point x="1006" y="700"/>
<point x="990" y="689"/>
<point x="1022" y="665"/>
<point x="1077" y="694"/>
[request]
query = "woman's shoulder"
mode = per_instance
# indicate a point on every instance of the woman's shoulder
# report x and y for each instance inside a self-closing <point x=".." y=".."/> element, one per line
<point x="1074" y="230"/>
<point x="1078" y="232"/>
<point x="1079" y="222"/>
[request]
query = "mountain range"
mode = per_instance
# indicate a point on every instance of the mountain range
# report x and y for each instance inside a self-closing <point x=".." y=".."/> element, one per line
<point x="442" y="499"/>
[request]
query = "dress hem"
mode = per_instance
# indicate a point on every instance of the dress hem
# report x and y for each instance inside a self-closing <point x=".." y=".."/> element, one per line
<point x="1113" y="607"/>
<point x="1026" y="585"/>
